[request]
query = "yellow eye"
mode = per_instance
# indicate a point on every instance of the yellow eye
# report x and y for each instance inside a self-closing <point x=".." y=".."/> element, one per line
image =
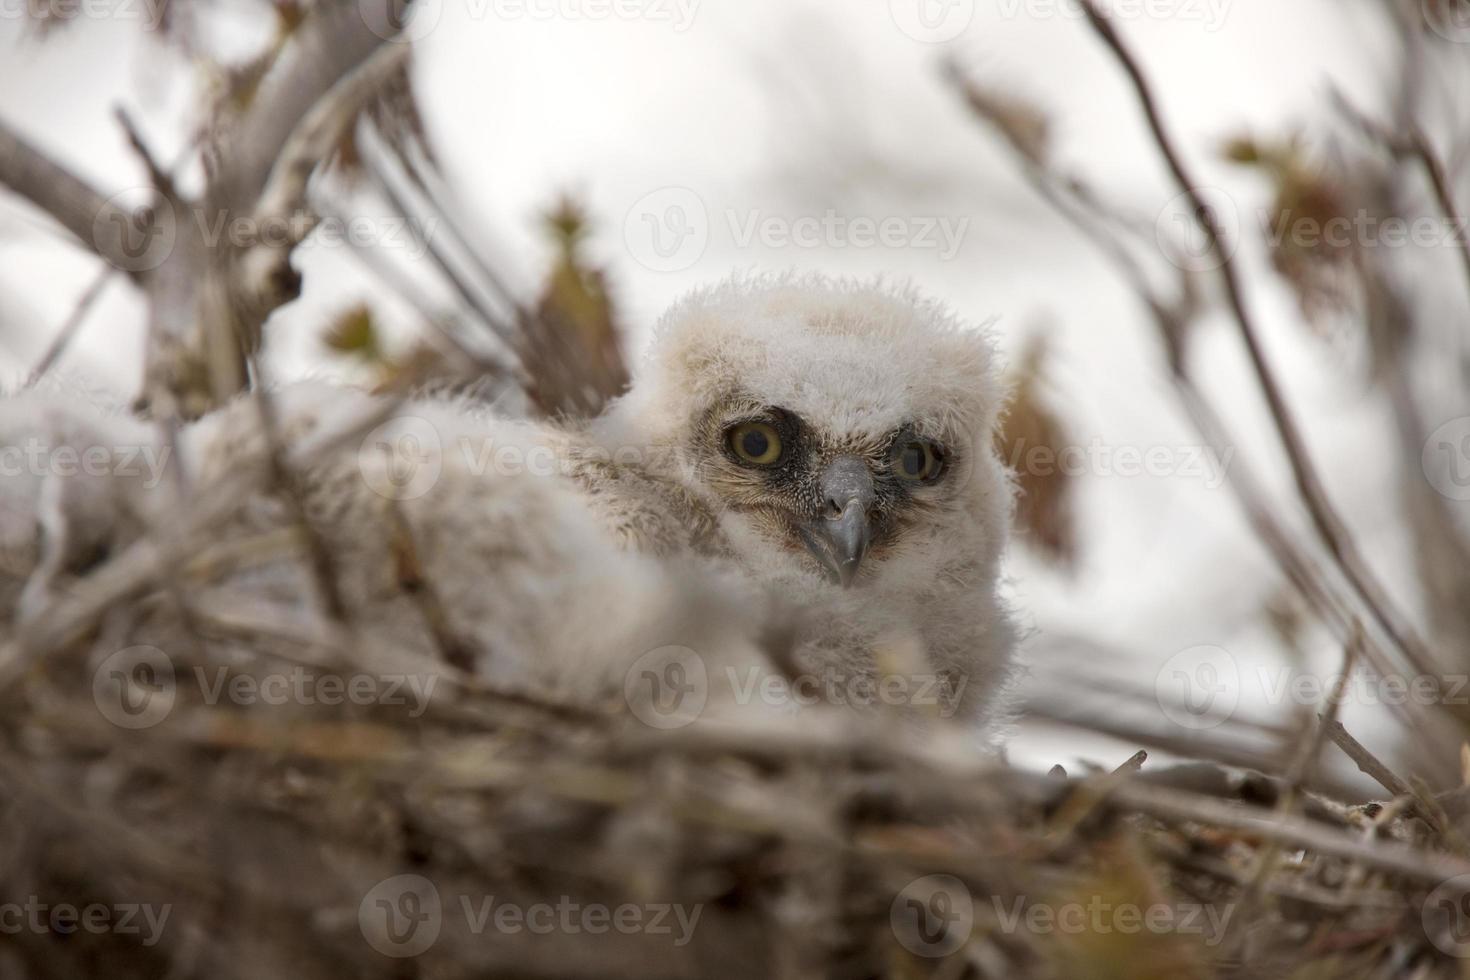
<point x="756" y="443"/>
<point x="918" y="460"/>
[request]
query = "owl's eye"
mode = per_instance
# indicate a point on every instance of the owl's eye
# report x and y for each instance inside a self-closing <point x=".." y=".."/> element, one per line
<point x="918" y="460"/>
<point x="756" y="443"/>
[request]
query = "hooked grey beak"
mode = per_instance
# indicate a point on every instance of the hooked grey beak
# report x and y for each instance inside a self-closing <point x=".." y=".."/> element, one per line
<point x="840" y="538"/>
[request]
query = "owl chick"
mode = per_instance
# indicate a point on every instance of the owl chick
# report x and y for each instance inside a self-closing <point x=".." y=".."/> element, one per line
<point x="840" y="435"/>
<point x="801" y="457"/>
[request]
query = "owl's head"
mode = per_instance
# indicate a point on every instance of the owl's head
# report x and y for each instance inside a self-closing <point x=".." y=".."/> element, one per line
<point x="840" y="427"/>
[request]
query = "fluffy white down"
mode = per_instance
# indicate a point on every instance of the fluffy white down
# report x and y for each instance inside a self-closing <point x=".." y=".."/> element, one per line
<point x="556" y="581"/>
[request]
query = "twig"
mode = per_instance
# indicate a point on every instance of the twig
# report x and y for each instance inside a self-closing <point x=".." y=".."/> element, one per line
<point x="144" y="561"/>
<point x="97" y="222"/>
<point x="1325" y="519"/>
<point x="69" y="329"/>
<point x="1370" y="765"/>
<point x="319" y="560"/>
<point x="1415" y="145"/>
<point x="1171" y="319"/>
<point x="1366" y="761"/>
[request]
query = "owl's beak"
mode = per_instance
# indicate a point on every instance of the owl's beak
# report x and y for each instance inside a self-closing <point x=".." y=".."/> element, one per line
<point x="840" y="539"/>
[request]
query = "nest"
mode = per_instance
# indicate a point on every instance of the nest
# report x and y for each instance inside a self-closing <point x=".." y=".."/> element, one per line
<point x="152" y="833"/>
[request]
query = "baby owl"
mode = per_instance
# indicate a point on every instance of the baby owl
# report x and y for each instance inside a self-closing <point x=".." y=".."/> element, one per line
<point x="803" y="466"/>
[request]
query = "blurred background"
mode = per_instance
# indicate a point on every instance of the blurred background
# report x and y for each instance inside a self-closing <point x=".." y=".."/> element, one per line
<point x="677" y="141"/>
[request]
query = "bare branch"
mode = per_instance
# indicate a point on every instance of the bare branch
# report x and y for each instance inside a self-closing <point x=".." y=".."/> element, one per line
<point x="97" y="222"/>
<point x="1325" y="519"/>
